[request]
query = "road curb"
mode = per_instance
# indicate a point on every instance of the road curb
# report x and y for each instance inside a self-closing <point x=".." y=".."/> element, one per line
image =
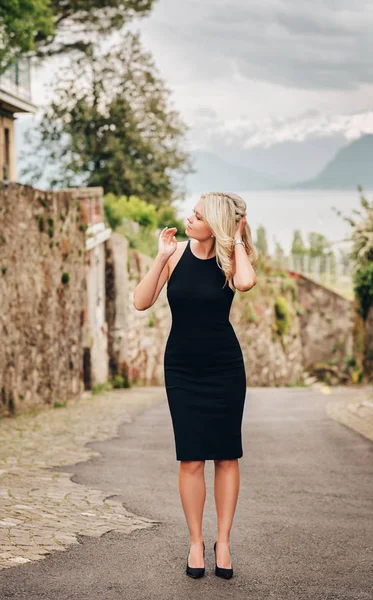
<point x="354" y="412"/>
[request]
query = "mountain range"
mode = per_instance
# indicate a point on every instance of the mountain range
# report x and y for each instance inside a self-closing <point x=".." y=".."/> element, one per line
<point x="349" y="166"/>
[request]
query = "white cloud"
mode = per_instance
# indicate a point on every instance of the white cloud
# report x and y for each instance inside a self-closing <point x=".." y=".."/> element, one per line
<point x="247" y="73"/>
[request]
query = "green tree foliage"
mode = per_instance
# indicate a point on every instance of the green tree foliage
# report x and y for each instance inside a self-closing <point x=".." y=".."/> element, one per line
<point x="363" y="287"/>
<point x="118" y="209"/>
<point x="318" y="244"/>
<point x="44" y="28"/>
<point x="362" y="252"/>
<point x="110" y="125"/>
<point x="79" y="23"/>
<point x="261" y="240"/>
<point x="298" y="250"/>
<point x="279" y="254"/>
<point x="167" y="218"/>
<point x="132" y="208"/>
<point x="298" y="247"/>
<point x="21" y="22"/>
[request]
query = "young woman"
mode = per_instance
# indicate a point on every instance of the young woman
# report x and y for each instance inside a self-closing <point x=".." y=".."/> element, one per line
<point x="204" y="369"/>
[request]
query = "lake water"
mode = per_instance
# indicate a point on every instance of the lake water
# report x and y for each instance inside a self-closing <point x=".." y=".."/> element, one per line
<point x="283" y="211"/>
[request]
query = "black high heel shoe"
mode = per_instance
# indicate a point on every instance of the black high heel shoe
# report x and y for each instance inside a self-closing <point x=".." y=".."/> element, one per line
<point x="220" y="571"/>
<point x="195" y="572"/>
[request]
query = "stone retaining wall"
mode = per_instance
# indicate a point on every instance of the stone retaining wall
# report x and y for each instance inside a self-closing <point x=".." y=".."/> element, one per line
<point x="317" y="328"/>
<point x="42" y="297"/>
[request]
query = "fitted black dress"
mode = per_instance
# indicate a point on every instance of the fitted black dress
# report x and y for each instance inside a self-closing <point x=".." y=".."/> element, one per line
<point x="204" y="370"/>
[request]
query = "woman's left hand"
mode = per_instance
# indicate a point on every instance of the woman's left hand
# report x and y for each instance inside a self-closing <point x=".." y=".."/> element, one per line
<point x="240" y="227"/>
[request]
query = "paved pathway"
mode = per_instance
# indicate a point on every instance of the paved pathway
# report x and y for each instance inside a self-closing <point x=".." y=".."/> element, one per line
<point x="42" y="511"/>
<point x="303" y="528"/>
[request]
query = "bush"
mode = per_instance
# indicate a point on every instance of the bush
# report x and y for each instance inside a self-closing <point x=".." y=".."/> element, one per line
<point x="132" y="208"/>
<point x="363" y="287"/>
<point x="167" y="217"/>
<point x="282" y="315"/>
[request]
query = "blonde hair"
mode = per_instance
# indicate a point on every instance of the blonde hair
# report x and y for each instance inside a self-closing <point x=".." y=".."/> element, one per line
<point x="222" y="212"/>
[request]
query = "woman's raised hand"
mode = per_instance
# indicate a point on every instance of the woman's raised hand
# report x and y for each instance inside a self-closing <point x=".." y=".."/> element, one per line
<point x="167" y="243"/>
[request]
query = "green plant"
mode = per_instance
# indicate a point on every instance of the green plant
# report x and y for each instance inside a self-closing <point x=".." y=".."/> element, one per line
<point x="50" y="227"/>
<point x="363" y="287"/>
<point x="296" y="383"/>
<point x="350" y="360"/>
<point x="299" y="309"/>
<point x="65" y="278"/>
<point x="289" y="285"/>
<point x="100" y="388"/>
<point x="58" y="404"/>
<point x="131" y="208"/>
<point x="152" y="320"/>
<point x="282" y="315"/>
<point x="3" y="270"/>
<point x="357" y="375"/>
<point x="43" y="202"/>
<point x="167" y="217"/>
<point x="249" y="313"/>
<point x="119" y="382"/>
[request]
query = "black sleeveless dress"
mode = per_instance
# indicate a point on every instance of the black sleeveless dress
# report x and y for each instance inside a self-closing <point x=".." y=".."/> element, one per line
<point x="204" y="370"/>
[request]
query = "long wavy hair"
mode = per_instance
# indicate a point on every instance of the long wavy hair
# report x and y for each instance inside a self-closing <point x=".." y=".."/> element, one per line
<point x="222" y="212"/>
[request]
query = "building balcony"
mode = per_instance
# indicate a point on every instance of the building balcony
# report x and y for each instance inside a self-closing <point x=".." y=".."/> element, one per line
<point x="15" y="88"/>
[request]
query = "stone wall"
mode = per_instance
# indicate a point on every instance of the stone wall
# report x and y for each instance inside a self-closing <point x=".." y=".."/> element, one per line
<point x="326" y="323"/>
<point x="52" y="335"/>
<point x="42" y="297"/>
<point x="148" y="329"/>
<point x="272" y="351"/>
<point x="284" y="326"/>
<point x="117" y="304"/>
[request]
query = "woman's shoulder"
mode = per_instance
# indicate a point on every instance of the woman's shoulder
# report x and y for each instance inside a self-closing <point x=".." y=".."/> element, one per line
<point x="176" y="256"/>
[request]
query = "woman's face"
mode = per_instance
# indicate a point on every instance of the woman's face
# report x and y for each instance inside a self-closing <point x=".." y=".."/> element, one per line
<point x="196" y="226"/>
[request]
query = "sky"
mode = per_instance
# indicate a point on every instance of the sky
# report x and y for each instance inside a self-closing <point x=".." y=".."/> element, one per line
<point x="253" y="79"/>
<point x="245" y="74"/>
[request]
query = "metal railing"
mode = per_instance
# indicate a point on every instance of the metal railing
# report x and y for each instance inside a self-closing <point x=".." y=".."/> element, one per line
<point x="335" y="273"/>
<point x="16" y="79"/>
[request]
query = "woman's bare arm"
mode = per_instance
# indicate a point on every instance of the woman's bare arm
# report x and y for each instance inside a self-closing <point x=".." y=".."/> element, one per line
<point x="147" y="291"/>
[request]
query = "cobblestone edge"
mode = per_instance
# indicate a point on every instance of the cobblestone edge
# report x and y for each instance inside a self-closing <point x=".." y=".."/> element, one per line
<point x="42" y="511"/>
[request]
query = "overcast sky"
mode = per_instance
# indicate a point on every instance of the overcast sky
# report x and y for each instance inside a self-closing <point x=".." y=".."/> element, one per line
<point x="250" y="73"/>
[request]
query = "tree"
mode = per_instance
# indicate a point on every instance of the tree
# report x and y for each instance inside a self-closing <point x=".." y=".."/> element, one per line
<point x="279" y="254"/>
<point x="318" y="244"/>
<point x="109" y="125"/>
<point x="362" y="233"/>
<point x="21" y="22"/>
<point x="44" y="28"/>
<point x="298" y="249"/>
<point x="261" y="240"/>
<point x="298" y="246"/>
<point x="362" y="252"/>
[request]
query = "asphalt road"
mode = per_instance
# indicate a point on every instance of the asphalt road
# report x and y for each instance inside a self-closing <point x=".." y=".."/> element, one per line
<point x="303" y="528"/>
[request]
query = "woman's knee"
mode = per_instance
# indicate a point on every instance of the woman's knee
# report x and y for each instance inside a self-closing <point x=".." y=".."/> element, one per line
<point x="192" y="466"/>
<point x="226" y="463"/>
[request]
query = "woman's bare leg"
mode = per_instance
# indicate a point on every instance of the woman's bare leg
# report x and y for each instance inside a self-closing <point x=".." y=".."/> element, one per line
<point x="226" y="488"/>
<point x="192" y="487"/>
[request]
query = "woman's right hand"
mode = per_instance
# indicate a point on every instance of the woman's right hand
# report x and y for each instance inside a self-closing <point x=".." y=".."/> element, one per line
<point x="167" y="242"/>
